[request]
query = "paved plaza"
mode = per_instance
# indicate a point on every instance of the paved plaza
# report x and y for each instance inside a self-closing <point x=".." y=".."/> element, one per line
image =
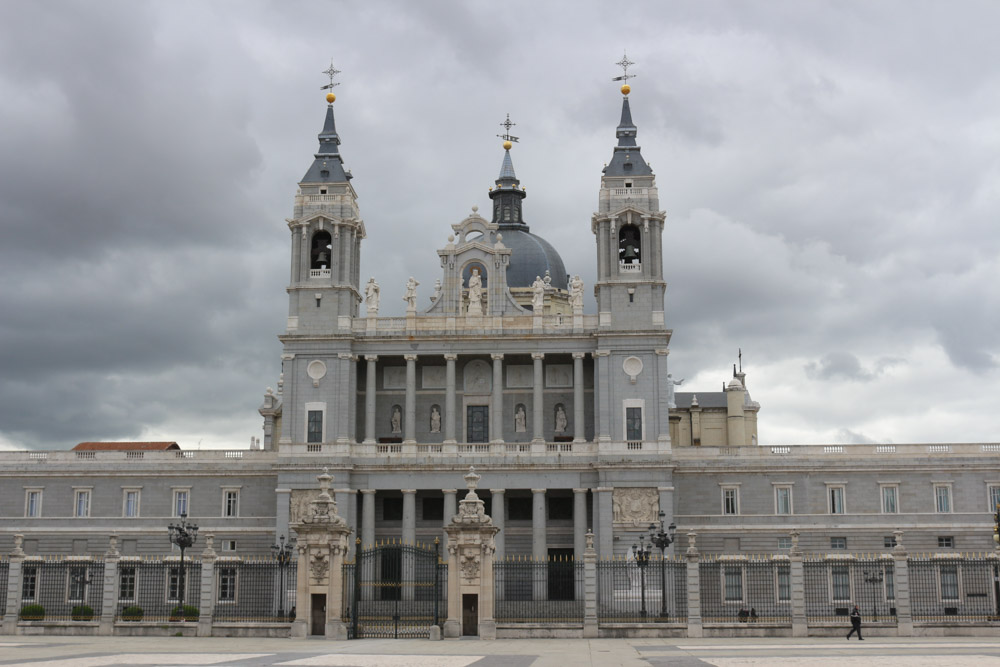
<point x="167" y="651"/>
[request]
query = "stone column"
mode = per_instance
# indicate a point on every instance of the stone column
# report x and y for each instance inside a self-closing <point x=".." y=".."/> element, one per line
<point x="303" y="616"/>
<point x="283" y="498"/>
<point x="605" y="520"/>
<point x="602" y="388"/>
<point x="347" y="508"/>
<point x="367" y="518"/>
<point x="409" y="537"/>
<point x="410" y="418"/>
<point x="662" y="411"/>
<point x="901" y="573"/>
<point x="579" y="427"/>
<point x="450" y="509"/>
<point x="449" y="399"/>
<point x="496" y="413"/>
<point x="800" y="627"/>
<point x="453" y="622"/>
<point x="590" y="626"/>
<point x="206" y="603"/>
<point x="539" y="546"/>
<point x="15" y="565"/>
<point x="371" y="391"/>
<point x="694" y="626"/>
<point x="109" y="596"/>
<point x="580" y="529"/>
<point x="499" y="514"/>
<point x="344" y="401"/>
<point x="538" y="400"/>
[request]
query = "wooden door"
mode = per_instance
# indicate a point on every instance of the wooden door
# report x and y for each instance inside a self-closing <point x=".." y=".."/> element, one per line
<point x="470" y="615"/>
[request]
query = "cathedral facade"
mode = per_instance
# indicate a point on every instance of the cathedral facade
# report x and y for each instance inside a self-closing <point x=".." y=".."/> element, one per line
<point x="572" y="418"/>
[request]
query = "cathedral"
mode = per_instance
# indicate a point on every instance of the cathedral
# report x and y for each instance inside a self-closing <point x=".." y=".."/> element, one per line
<point x="572" y="418"/>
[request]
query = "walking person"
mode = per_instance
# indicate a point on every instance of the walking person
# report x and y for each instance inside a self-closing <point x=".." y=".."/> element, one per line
<point x="855" y="624"/>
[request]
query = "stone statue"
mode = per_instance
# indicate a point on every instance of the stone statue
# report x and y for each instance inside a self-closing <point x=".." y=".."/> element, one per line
<point x="561" y="421"/>
<point x="435" y="419"/>
<point x="475" y="293"/>
<point x="520" y="420"/>
<point x="397" y="419"/>
<point x="576" y="294"/>
<point x="411" y="294"/>
<point x="671" y="403"/>
<point x="538" y="295"/>
<point x="371" y="297"/>
<point x="437" y="291"/>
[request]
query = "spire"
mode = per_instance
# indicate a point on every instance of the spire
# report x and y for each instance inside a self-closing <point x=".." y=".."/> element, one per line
<point x="626" y="128"/>
<point x="328" y="166"/>
<point x="507" y="196"/>
<point x="626" y="161"/>
<point x="506" y="169"/>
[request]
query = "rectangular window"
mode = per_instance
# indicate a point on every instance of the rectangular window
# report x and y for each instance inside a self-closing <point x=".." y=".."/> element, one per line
<point x="946" y="542"/>
<point x="33" y="503"/>
<point x="836" y="499"/>
<point x="81" y="508"/>
<point x="782" y="500"/>
<point x="181" y="503"/>
<point x="784" y="543"/>
<point x="838" y="542"/>
<point x="841" y="578"/>
<point x="633" y="423"/>
<point x="890" y="584"/>
<point x="949" y="582"/>
<point x="126" y="584"/>
<point x="314" y="431"/>
<point x="942" y="498"/>
<point x="229" y="545"/>
<point x="173" y="584"/>
<point x="76" y="589"/>
<point x="227" y="584"/>
<point x="733" y="583"/>
<point x="730" y="500"/>
<point x="784" y="576"/>
<point x="994" y="497"/>
<point x="890" y="499"/>
<point x="889" y="542"/>
<point x="29" y="583"/>
<point x="230" y="503"/>
<point x="130" y="503"/>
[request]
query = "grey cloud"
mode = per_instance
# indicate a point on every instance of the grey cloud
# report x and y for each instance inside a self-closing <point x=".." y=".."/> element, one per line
<point x="846" y="366"/>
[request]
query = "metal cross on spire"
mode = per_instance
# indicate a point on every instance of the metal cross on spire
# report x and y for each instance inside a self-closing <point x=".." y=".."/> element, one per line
<point x="332" y="72"/>
<point x="506" y="125"/>
<point x="624" y="63"/>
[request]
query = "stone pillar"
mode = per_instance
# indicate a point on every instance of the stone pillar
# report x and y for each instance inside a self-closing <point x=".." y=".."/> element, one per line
<point x="602" y="389"/>
<point x="409" y="537"/>
<point x="344" y="400"/>
<point x="538" y="400"/>
<point x="800" y="626"/>
<point x="371" y="391"/>
<point x="109" y="596"/>
<point x="206" y="604"/>
<point x="15" y="565"/>
<point x="901" y="573"/>
<point x="694" y="626"/>
<point x="662" y="407"/>
<point x="367" y="518"/>
<point x="450" y="510"/>
<point x="590" y="626"/>
<point x="347" y="508"/>
<point x="499" y="511"/>
<point x="539" y="545"/>
<point x="283" y="498"/>
<point x="605" y="520"/>
<point x="580" y="529"/>
<point x="496" y="412"/>
<point x="453" y="621"/>
<point x="410" y="418"/>
<point x="579" y="428"/>
<point x="449" y="400"/>
<point x="303" y="602"/>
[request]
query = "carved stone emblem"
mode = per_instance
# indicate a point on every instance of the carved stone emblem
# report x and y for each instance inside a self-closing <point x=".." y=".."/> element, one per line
<point x="635" y="505"/>
<point x="298" y="507"/>
<point x="319" y="563"/>
<point x="470" y="564"/>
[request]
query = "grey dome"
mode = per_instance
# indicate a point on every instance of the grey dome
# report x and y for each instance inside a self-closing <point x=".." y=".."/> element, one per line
<point x="531" y="256"/>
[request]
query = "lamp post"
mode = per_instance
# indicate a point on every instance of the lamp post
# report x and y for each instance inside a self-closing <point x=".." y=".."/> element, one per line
<point x="874" y="578"/>
<point x="283" y="554"/>
<point x="641" y="553"/>
<point x="183" y="535"/>
<point x="661" y="539"/>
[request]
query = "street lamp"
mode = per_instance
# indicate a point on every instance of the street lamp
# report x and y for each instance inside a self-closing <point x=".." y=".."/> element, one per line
<point x="874" y="578"/>
<point x="661" y="540"/>
<point x="283" y="554"/>
<point x="183" y="535"/>
<point x="641" y="553"/>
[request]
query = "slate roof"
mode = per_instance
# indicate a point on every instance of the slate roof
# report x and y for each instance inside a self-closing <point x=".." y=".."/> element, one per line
<point x="626" y="160"/>
<point x="531" y="256"/>
<point x="126" y="446"/>
<point x="328" y="157"/>
<point x="708" y="399"/>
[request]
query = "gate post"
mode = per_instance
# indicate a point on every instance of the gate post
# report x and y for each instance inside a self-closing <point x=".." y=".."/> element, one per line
<point x="471" y="547"/>
<point x="13" y="587"/>
<point x="797" y="574"/>
<point x="901" y="581"/>
<point x="300" y="625"/>
<point x="590" y="628"/>
<point x="206" y="600"/>
<point x="694" y="588"/>
<point x="109" y="595"/>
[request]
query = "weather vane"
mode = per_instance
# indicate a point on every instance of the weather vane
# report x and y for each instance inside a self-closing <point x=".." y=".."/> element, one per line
<point x="624" y="63"/>
<point x="506" y="125"/>
<point x="332" y="72"/>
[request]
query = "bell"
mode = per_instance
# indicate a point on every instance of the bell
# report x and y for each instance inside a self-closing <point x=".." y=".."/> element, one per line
<point x="630" y="253"/>
<point x="322" y="258"/>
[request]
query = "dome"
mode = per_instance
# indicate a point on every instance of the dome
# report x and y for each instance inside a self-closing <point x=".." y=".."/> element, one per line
<point x="532" y="256"/>
<point x="735" y="384"/>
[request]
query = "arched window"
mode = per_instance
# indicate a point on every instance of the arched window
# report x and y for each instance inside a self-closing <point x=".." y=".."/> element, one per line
<point x="319" y="254"/>
<point x="629" y="245"/>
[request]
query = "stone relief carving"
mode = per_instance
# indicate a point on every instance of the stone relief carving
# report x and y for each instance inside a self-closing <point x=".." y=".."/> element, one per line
<point x="470" y="564"/>
<point x="559" y="375"/>
<point x="478" y="378"/>
<point x="319" y="563"/>
<point x="394" y="377"/>
<point x="434" y="377"/>
<point x="299" y="503"/>
<point x="520" y="376"/>
<point x="636" y="505"/>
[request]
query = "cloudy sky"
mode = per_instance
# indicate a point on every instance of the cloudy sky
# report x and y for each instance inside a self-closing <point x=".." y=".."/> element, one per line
<point x="830" y="172"/>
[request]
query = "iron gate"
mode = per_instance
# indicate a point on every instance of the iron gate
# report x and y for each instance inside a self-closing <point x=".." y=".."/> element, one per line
<point x="395" y="591"/>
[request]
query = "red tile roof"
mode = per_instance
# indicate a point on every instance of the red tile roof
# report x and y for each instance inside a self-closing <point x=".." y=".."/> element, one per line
<point x="125" y="446"/>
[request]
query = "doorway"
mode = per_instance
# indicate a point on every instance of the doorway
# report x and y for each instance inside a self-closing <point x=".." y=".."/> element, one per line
<point x="478" y="423"/>
<point x="318" y="614"/>
<point x="470" y="615"/>
<point x="561" y="574"/>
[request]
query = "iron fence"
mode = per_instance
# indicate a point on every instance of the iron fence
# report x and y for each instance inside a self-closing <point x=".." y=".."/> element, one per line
<point x="149" y="589"/>
<point x="833" y="586"/>
<point x="629" y="591"/>
<point x="4" y="574"/>
<point x="538" y="591"/>
<point x="58" y="589"/>
<point x="954" y="588"/>
<point x="745" y="589"/>
<point x="255" y="590"/>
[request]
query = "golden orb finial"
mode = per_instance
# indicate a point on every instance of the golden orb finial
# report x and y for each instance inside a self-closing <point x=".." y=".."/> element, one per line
<point x="626" y="89"/>
<point x="330" y="97"/>
<point x="507" y="145"/>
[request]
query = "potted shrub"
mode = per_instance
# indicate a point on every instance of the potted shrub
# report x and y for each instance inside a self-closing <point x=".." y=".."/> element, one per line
<point x="132" y="613"/>
<point x="185" y="613"/>
<point x="82" y="612"/>
<point x="32" y="612"/>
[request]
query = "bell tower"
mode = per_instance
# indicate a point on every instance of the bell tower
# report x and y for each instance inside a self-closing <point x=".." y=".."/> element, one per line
<point x="628" y="227"/>
<point x="326" y="229"/>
